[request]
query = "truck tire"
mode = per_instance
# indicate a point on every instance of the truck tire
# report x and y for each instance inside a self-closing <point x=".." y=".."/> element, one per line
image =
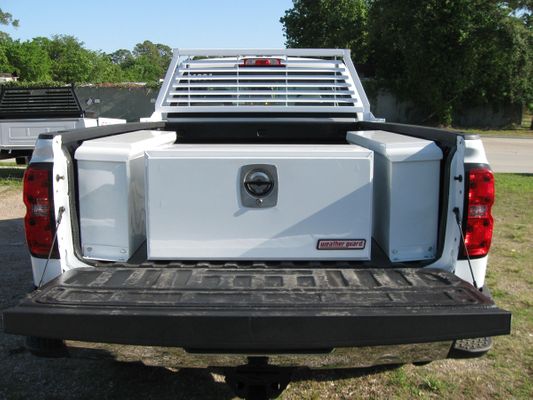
<point x="22" y="160"/>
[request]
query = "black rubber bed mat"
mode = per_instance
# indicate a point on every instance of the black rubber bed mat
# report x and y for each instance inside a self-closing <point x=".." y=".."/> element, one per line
<point x="257" y="309"/>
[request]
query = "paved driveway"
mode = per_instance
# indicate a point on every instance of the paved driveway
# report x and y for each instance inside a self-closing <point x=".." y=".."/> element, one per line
<point x="509" y="155"/>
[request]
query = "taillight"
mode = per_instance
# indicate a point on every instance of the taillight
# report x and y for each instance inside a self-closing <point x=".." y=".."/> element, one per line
<point x="39" y="220"/>
<point x="262" y="62"/>
<point x="478" y="225"/>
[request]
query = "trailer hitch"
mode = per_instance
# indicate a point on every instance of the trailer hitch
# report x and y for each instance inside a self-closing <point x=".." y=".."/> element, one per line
<point x="258" y="380"/>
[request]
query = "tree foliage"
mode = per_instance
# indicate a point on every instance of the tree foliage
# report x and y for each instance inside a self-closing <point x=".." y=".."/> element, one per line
<point x="326" y="24"/>
<point x="64" y="58"/>
<point x="445" y="55"/>
<point x="151" y="60"/>
<point x="441" y="55"/>
<point x="7" y="19"/>
<point x="30" y="60"/>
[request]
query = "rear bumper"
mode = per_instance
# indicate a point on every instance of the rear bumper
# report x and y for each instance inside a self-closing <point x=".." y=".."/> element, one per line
<point x="257" y="311"/>
<point x="349" y="357"/>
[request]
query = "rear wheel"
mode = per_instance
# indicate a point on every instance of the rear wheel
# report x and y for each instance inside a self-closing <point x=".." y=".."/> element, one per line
<point x="421" y="363"/>
<point x="471" y="348"/>
<point x="22" y="160"/>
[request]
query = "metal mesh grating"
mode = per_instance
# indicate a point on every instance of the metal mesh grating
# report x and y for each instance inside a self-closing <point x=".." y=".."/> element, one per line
<point x="199" y="83"/>
<point x="55" y="102"/>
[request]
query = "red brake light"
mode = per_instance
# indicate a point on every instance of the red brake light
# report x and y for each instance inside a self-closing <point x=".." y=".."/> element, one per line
<point x="39" y="219"/>
<point x="479" y="222"/>
<point x="262" y="62"/>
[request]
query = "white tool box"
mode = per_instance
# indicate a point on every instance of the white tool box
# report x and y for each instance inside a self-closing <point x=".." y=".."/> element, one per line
<point x="406" y="193"/>
<point x="259" y="202"/>
<point x="111" y="192"/>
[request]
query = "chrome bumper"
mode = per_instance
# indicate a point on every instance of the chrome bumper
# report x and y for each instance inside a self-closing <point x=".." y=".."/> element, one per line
<point x="353" y="357"/>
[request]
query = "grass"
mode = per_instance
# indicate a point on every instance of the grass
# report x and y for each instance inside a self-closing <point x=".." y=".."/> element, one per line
<point x="522" y="131"/>
<point x="11" y="176"/>
<point x="10" y="163"/>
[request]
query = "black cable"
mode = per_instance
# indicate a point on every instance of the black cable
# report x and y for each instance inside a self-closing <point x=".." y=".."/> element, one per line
<point x="59" y="217"/>
<point x="458" y="220"/>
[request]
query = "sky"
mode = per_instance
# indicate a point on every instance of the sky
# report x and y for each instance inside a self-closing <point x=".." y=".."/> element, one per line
<point x="120" y="24"/>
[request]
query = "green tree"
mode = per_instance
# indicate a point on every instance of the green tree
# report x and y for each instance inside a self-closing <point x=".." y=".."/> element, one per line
<point x="328" y="24"/>
<point x="104" y="70"/>
<point x="443" y="55"/>
<point x="522" y="9"/>
<point x="7" y="19"/>
<point x="5" y="40"/>
<point x="505" y="65"/>
<point x="71" y="62"/>
<point x="151" y="60"/>
<point x="29" y="60"/>
<point x="122" y="57"/>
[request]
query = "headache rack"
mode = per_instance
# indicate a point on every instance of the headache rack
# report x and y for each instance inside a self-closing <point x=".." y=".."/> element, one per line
<point x="282" y="81"/>
<point x="41" y="102"/>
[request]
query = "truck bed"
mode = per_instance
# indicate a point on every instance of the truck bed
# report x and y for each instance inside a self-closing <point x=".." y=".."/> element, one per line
<point x="298" y="131"/>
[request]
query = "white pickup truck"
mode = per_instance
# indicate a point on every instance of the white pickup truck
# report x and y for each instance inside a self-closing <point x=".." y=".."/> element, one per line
<point x="25" y="113"/>
<point x="262" y="218"/>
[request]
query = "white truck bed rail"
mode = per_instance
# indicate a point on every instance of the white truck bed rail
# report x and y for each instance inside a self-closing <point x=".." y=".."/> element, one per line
<point x="307" y="81"/>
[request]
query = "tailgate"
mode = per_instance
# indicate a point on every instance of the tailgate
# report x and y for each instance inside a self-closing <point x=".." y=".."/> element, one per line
<point x="249" y="309"/>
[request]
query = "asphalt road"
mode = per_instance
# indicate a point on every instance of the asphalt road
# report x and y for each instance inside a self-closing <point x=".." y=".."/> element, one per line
<point x="509" y="155"/>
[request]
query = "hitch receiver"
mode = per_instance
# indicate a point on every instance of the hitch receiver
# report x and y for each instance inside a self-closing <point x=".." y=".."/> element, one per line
<point x="258" y="380"/>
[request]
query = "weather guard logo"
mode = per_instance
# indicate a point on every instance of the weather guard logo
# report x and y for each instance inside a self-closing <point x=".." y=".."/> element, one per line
<point x="341" y="244"/>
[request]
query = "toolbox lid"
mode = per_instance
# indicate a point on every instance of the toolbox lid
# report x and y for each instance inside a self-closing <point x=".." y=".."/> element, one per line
<point x="276" y="151"/>
<point x="396" y="147"/>
<point x="123" y="147"/>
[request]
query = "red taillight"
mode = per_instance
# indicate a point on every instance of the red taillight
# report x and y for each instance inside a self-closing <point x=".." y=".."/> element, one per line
<point x="479" y="223"/>
<point x="39" y="219"/>
<point x="262" y="62"/>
